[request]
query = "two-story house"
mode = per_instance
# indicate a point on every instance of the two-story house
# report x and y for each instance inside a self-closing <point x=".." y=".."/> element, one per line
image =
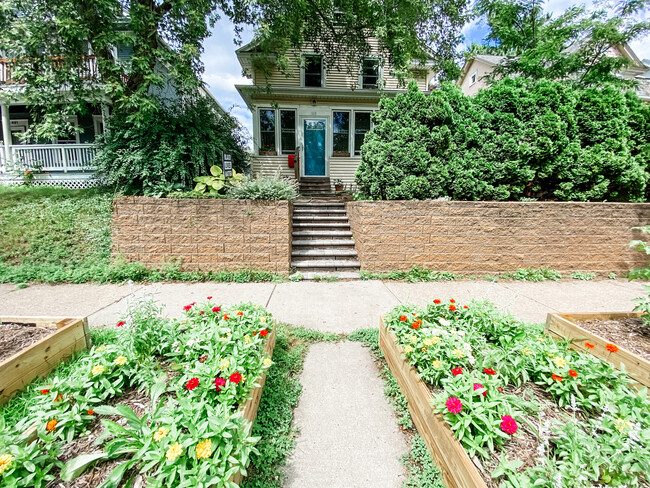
<point x="318" y="114"/>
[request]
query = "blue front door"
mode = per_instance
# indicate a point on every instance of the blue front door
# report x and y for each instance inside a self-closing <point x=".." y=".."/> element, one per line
<point x="314" y="147"/>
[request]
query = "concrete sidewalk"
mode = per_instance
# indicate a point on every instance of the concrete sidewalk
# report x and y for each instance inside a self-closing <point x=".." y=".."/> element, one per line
<point x="330" y="307"/>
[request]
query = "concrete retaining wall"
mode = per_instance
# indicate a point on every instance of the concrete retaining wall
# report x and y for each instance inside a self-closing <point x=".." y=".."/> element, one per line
<point x="486" y="237"/>
<point x="204" y="234"/>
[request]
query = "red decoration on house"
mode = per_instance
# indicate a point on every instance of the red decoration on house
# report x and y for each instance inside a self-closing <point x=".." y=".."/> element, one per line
<point x="291" y="159"/>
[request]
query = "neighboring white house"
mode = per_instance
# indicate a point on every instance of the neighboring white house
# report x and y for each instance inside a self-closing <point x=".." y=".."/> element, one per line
<point x="64" y="161"/>
<point x="320" y="115"/>
<point x="475" y="70"/>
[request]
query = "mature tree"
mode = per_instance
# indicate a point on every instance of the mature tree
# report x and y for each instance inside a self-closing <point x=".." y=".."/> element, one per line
<point x="574" y="45"/>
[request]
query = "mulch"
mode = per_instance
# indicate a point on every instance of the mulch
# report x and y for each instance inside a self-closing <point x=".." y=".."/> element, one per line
<point x="15" y="337"/>
<point x="630" y="334"/>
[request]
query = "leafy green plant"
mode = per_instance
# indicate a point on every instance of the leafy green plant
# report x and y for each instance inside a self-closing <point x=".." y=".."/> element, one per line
<point x="414" y="275"/>
<point x="581" y="275"/>
<point x="265" y="188"/>
<point x="217" y="181"/>
<point x="533" y="274"/>
<point x="644" y="247"/>
<point x="643" y="305"/>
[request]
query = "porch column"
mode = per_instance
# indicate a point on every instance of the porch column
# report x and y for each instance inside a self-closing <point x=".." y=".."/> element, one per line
<point x="105" y="116"/>
<point x="6" y="135"/>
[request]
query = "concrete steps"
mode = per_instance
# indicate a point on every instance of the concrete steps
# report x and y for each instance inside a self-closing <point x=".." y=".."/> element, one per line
<point x="316" y="187"/>
<point x="322" y="245"/>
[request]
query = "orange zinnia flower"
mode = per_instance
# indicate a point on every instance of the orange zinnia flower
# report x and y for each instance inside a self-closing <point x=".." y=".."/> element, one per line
<point x="573" y="373"/>
<point x="225" y="317"/>
<point x="91" y="412"/>
<point x="403" y="318"/>
<point x="556" y="377"/>
<point x="589" y="345"/>
<point x="51" y="425"/>
<point x="452" y="308"/>
<point x="611" y="348"/>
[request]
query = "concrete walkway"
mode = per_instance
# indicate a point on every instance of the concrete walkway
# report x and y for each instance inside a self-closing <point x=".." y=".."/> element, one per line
<point x="328" y="307"/>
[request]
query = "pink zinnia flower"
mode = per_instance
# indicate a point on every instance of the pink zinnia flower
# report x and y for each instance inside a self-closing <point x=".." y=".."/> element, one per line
<point x="219" y="383"/>
<point x="120" y="323"/>
<point x="478" y="386"/>
<point x="457" y="371"/>
<point x="187" y="307"/>
<point x="201" y="312"/>
<point x="216" y="309"/>
<point x="454" y="405"/>
<point x="508" y="424"/>
<point x="209" y="298"/>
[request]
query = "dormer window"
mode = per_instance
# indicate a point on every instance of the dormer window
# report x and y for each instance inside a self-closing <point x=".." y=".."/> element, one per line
<point x="369" y="73"/>
<point x="313" y="71"/>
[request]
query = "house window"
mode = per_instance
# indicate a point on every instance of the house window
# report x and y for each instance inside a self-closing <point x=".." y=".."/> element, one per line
<point x="288" y="131"/>
<point x="341" y="134"/>
<point x="369" y="73"/>
<point x="361" y="126"/>
<point x="98" y="125"/>
<point x="71" y="137"/>
<point x="472" y="79"/>
<point x="313" y="71"/>
<point x="267" y="130"/>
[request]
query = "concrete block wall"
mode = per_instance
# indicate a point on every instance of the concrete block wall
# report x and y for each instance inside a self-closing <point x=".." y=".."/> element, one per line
<point x="490" y="237"/>
<point x="204" y="234"/>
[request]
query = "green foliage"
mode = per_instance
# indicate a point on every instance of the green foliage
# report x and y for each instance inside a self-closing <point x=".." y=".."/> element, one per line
<point x="533" y="274"/>
<point x="369" y="337"/>
<point x="423" y="473"/>
<point x="516" y="139"/>
<point x="414" y="275"/>
<point x="217" y="181"/>
<point x="265" y="188"/>
<point x="581" y="275"/>
<point x="643" y="305"/>
<point x="572" y="46"/>
<point x="172" y="147"/>
<point x="641" y="246"/>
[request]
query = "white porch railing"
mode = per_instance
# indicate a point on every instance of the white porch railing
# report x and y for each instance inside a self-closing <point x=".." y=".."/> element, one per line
<point x="50" y="157"/>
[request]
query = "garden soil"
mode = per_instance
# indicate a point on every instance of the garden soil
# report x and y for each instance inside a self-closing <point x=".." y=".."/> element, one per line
<point x="631" y="334"/>
<point x="16" y="337"/>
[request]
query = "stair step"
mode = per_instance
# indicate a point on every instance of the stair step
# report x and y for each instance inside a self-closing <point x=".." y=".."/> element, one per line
<point x="322" y="233"/>
<point x="323" y="242"/>
<point x="321" y="225"/>
<point x="319" y="218"/>
<point x="319" y="204"/>
<point x="323" y="275"/>
<point x="326" y="263"/>
<point x="324" y="253"/>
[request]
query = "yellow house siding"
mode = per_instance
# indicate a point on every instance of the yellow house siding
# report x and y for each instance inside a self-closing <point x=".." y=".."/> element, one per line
<point x="271" y="165"/>
<point x="344" y="169"/>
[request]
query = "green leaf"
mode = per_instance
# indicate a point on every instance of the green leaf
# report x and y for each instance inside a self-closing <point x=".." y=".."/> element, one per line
<point x="215" y="170"/>
<point x="78" y="465"/>
<point x="114" y="479"/>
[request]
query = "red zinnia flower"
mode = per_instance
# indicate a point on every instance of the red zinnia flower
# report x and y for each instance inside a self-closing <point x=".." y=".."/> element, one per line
<point x="235" y="377"/>
<point x="489" y="371"/>
<point x="225" y="317"/>
<point x="452" y="300"/>
<point x="91" y="412"/>
<point x="402" y="318"/>
<point x="500" y="388"/>
<point x="465" y="306"/>
<point x="508" y="424"/>
<point x="573" y="373"/>
<point x="264" y="332"/>
<point x="240" y="313"/>
<point x="58" y="397"/>
<point x="589" y="345"/>
<point x="457" y="371"/>
<point x="478" y="386"/>
<point x="415" y="325"/>
<point x="44" y="392"/>
<point x="452" y="308"/>
<point x="454" y="405"/>
<point x="201" y="312"/>
<point x="187" y="307"/>
<point x="219" y="382"/>
<point x="436" y="301"/>
<point x="203" y="358"/>
<point x="611" y="348"/>
<point x="216" y="309"/>
<point x="120" y="324"/>
<point x="193" y="383"/>
<point x="556" y="377"/>
<point x="209" y="298"/>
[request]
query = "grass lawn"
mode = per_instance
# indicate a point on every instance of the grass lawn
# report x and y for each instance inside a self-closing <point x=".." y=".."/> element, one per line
<point x="55" y="235"/>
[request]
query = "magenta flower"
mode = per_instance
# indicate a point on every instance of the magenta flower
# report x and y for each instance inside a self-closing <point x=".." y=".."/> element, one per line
<point x="478" y="386"/>
<point x="508" y="424"/>
<point x="219" y="383"/>
<point x="454" y="405"/>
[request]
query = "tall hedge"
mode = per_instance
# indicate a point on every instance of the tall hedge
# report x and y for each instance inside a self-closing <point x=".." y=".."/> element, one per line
<point x="516" y="139"/>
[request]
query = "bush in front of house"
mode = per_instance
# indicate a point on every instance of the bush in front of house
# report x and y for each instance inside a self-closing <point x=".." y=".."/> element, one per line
<point x="265" y="188"/>
<point x="518" y="139"/>
<point x="168" y="150"/>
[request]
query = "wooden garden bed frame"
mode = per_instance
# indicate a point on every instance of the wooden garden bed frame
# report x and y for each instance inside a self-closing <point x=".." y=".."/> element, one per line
<point x="249" y="409"/>
<point x="448" y="453"/>
<point x="41" y="358"/>
<point x="564" y="326"/>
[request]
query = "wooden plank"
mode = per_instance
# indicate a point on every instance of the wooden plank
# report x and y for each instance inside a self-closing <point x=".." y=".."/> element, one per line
<point x="42" y="357"/>
<point x="57" y="322"/>
<point x="447" y="452"/>
<point x="564" y="326"/>
<point x="249" y="409"/>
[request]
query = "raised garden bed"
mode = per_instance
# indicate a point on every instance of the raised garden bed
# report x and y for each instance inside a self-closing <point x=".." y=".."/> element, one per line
<point x="588" y="333"/>
<point x="34" y="346"/>
<point x="500" y="404"/>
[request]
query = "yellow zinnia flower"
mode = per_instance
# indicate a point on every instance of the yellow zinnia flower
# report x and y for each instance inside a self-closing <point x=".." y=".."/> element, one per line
<point x="247" y="339"/>
<point x="5" y="462"/>
<point x="458" y="353"/>
<point x="174" y="451"/>
<point x="204" y="449"/>
<point x="559" y="362"/>
<point x="99" y="369"/>
<point x="622" y="425"/>
<point x="408" y="349"/>
<point x="120" y="360"/>
<point x="101" y="349"/>
<point x="413" y="338"/>
<point x="160" y="434"/>
<point x="224" y="364"/>
<point x="267" y="362"/>
<point x="263" y="319"/>
<point x="526" y="351"/>
<point x="436" y="364"/>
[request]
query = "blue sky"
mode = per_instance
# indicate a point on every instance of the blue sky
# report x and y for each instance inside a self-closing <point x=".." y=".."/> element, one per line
<point x="223" y="72"/>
